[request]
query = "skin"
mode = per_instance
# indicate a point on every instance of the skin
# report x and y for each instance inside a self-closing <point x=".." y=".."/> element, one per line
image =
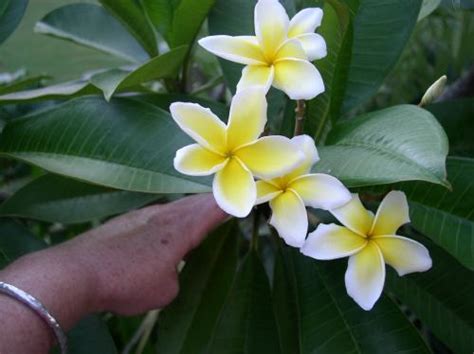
<point x="126" y="266"/>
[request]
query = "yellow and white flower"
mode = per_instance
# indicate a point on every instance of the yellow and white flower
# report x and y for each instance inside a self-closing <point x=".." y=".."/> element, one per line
<point x="233" y="152"/>
<point x="280" y="52"/>
<point x="289" y="194"/>
<point x="370" y="242"/>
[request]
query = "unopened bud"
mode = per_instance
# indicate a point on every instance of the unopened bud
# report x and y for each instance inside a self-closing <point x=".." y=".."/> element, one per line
<point x="434" y="91"/>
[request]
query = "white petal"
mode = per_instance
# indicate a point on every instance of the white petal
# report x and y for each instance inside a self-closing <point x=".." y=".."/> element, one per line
<point x="305" y="144"/>
<point x="271" y="25"/>
<point x="321" y="191"/>
<point x="354" y="216"/>
<point x="256" y="75"/>
<point x="200" y="124"/>
<point x="290" y="49"/>
<point x="404" y="254"/>
<point x="238" y="49"/>
<point x="234" y="189"/>
<point x="270" y="156"/>
<point x="391" y="214"/>
<point x="247" y="117"/>
<point x="305" y="21"/>
<point x="332" y="242"/>
<point x="314" y="45"/>
<point x="299" y="79"/>
<point x="365" y="276"/>
<point x="289" y="218"/>
<point x="266" y="191"/>
<point x="194" y="160"/>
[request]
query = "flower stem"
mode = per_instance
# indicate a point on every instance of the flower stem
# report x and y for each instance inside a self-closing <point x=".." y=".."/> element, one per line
<point x="256" y="219"/>
<point x="299" y="117"/>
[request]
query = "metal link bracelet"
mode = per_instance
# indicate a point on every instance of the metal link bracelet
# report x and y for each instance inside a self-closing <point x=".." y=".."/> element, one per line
<point x="35" y="305"/>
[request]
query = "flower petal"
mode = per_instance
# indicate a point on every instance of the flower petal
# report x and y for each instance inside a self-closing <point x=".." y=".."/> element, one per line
<point x="234" y="189"/>
<point x="365" y="276"/>
<point x="200" y="124"/>
<point x="270" y="156"/>
<point x="322" y="191"/>
<point x="391" y="214"/>
<point x="256" y="75"/>
<point x="266" y="191"/>
<point x="291" y="49"/>
<point x="314" y="45"/>
<point x="404" y="254"/>
<point x="299" y="79"/>
<point x="305" y="144"/>
<point x="194" y="160"/>
<point x="239" y="49"/>
<point x="305" y="21"/>
<point x="248" y="116"/>
<point x="354" y="216"/>
<point x="332" y="242"/>
<point x="289" y="218"/>
<point x="271" y="25"/>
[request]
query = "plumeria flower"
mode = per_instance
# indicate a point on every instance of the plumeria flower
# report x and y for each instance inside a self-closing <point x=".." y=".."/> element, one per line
<point x="289" y="194"/>
<point x="280" y="52"/>
<point x="234" y="153"/>
<point x="370" y="242"/>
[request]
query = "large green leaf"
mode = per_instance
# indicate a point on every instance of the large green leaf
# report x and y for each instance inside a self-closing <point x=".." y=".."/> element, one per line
<point x="441" y="298"/>
<point x="131" y="14"/>
<point x="187" y="325"/>
<point x="447" y="217"/>
<point x="124" y="144"/>
<point x="400" y="143"/>
<point x="22" y="84"/>
<point x="324" y="319"/>
<point x="247" y="323"/>
<point x="427" y="7"/>
<point x="164" y="66"/>
<point x="323" y="110"/>
<point x="160" y="14"/>
<point x="381" y="30"/>
<point x="457" y="119"/>
<point x="57" y="199"/>
<point x="92" y="26"/>
<point x="11" y="13"/>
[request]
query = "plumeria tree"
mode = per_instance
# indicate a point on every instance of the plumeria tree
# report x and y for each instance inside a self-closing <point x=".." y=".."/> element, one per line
<point x="350" y="228"/>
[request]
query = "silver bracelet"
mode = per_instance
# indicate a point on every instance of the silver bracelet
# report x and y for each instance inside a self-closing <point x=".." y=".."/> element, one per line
<point x="35" y="305"/>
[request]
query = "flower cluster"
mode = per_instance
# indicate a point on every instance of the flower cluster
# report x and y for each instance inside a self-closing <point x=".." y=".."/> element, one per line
<point x="249" y="169"/>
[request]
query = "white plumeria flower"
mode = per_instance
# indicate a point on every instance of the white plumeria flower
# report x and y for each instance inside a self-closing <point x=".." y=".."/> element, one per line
<point x="233" y="152"/>
<point x="289" y="194"/>
<point x="280" y="52"/>
<point x="370" y="242"/>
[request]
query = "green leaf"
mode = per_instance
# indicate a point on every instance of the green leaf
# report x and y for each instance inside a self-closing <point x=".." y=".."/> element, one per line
<point x="400" y="143"/>
<point x="164" y="66"/>
<point x="427" y="7"/>
<point x="57" y="199"/>
<point x="447" y="217"/>
<point x="92" y="26"/>
<point x="441" y="298"/>
<point x="247" y="323"/>
<point x="90" y="335"/>
<point x="324" y="110"/>
<point x="456" y="117"/>
<point x="16" y="241"/>
<point x="381" y="30"/>
<point x="54" y="92"/>
<point x="22" y="84"/>
<point x="130" y="13"/>
<point x="326" y="320"/>
<point x="160" y="14"/>
<point x="187" y="325"/>
<point x="124" y="144"/>
<point x="11" y="13"/>
<point x="188" y="16"/>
